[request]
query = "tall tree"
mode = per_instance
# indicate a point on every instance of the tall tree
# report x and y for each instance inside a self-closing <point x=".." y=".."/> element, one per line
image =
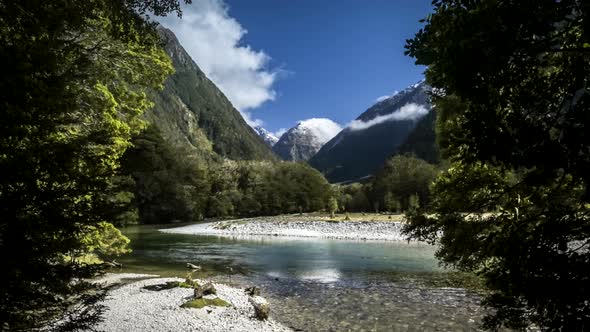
<point x="403" y="180"/>
<point x="511" y="81"/>
<point x="73" y="85"/>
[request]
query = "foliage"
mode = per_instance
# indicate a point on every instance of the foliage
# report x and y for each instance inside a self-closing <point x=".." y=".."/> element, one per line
<point x="170" y="182"/>
<point x="175" y="184"/>
<point x="120" y="201"/>
<point x="79" y="72"/>
<point x="353" y="198"/>
<point x="191" y="112"/>
<point x="512" y="105"/>
<point x="105" y="241"/>
<point x="332" y="206"/>
<point x="403" y="183"/>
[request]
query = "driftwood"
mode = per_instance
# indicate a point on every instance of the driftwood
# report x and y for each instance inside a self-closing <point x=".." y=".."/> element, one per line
<point x="193" y="266"/>
<point x="206" y="289"/>
<point x="113" y="263"/>
<point x="252" y="291"/>
<point x="261" y="307"/>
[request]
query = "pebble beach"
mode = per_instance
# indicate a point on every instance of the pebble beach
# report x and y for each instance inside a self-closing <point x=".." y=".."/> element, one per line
<point x="131" y="307"/>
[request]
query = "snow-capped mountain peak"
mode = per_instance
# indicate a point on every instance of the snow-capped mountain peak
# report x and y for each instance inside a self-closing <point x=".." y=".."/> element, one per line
<point x="306" y="138"/>
<point x="321" y="128"/>
<point x="266" y="135"/>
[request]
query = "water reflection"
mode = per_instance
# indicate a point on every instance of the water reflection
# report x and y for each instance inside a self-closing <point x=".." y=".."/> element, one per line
<point x="321" y="275"/>
<point x="303" y="258"/>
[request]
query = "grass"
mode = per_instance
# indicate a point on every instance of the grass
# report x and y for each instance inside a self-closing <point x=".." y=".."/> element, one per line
<point x="202" y="302"/>
<point x="185" y="284"/>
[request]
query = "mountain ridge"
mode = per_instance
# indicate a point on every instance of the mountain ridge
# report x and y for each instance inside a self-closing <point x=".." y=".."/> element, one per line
<point x="356" y="153"/>
<point x="269" y="138"/>
<point x="192" y="112"/>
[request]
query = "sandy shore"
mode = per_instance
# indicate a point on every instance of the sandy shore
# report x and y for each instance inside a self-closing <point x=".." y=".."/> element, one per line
<point x="294" y="226"/>
<point x="132" y="308"/>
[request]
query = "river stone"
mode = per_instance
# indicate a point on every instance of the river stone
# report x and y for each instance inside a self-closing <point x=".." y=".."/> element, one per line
<point x="261" y="307"/>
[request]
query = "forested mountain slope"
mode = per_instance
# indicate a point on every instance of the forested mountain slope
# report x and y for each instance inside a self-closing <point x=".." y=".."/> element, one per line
<point x="421" y="142"/>
<point x="192" y="112"/>
<point x="198" y="158"/>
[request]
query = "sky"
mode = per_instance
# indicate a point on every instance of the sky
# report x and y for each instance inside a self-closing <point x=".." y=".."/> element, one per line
<point x="280" y="62"/>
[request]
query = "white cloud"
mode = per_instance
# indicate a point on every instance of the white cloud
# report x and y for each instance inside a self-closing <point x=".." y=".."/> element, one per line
<point x="409" y="111"/>
<point x="280" y="132"/>
<point x="382" y="98"/>
<point x="253" y="122"/>
<point x="323" y="129"/>
<point x="213" y="40"/>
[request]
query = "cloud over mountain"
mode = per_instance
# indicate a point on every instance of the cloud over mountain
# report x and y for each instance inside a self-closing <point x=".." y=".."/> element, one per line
<point x="410" y="111"/>
<point x="306" y="138"/>
<point x="323" y="129"/>
<point x="213" y="40"/>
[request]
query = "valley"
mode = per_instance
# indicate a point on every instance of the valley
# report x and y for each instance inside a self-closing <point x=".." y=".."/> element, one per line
<point x="223" y="165"/>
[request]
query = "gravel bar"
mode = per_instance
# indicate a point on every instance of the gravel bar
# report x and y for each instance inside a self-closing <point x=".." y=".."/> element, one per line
<point x="291" y="227"/>
<point x="132" y="308"/>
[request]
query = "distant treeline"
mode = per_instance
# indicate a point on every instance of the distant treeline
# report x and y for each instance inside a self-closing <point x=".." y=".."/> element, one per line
<point x="401" y="185"/>
<point x="165" y="183"/>
<point x="161" y="183"/>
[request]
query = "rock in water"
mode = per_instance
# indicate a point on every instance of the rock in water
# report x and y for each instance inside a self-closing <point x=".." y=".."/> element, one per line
<point x="261" y="307"/>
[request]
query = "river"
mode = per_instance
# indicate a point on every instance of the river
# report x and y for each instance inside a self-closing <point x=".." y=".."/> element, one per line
<point x="321" y="284"/>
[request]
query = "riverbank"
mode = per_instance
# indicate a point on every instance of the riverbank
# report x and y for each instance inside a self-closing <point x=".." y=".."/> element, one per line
<point x="132" y="307"/>
<point x="369" y="227"/>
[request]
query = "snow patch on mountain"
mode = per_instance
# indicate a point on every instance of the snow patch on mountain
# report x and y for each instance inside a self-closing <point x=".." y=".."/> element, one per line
<point x="279" y="133"/>
<point x="269" y="138"/>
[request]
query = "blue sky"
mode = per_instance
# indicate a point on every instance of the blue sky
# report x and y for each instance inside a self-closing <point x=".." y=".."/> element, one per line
<point x="293" y="60"/>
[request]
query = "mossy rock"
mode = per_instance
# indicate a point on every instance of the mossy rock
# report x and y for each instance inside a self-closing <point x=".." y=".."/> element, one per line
<point x="202" y="302"/>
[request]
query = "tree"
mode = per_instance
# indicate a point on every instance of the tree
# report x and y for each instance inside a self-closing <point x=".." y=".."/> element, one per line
<point x="105" y="241"/>
<point x="511" y="94"/>
<point x="404" y="180"/>
<point x="171" y="183"/>
<point x="75" y="85"/>
<point x="332" y="206"/>
<point x="360" y="202"/>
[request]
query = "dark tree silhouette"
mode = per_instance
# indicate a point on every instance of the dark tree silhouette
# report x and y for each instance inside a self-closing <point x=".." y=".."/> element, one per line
<point x="511" y="83"/>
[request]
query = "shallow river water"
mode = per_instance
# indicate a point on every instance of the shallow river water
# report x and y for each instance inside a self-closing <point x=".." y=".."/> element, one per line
<point x="320" y="284"/>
